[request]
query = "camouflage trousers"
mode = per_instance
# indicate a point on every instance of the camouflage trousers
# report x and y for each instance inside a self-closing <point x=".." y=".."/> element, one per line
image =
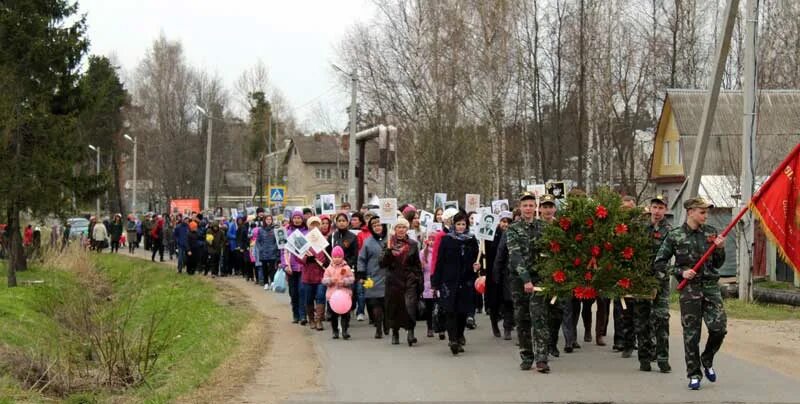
<point x="533" y="315"/>
<point x="651" y="322"/>
<point x="702" y="302"/>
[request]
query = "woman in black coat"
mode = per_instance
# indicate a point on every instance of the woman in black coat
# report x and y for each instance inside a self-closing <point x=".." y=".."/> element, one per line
<point x="403" y="282"/>
<point x="454" y="279"/>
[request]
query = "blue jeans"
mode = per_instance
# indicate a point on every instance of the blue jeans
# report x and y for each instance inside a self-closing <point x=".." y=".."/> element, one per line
<point x="297" y="295"/>
<point x="181" y="258"/>
<point x="314" y="293"/>
<point x="359" y="297"/>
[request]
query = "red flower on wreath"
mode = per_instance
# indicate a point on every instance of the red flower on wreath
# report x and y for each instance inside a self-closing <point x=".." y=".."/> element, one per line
<point x="577" y="262"/>
<point x="627" y="253"/>
<point x="559" y="276"/>
<point x="608" y="246"/>
<point x="589" y="223"/>
<point x="624" y="283"/>
<point x="555" y="248"/>
<point x="584" y="292"/>
<point x="564" y="222"/>
<point x="588" y="276"/>
<point x="596" y="251"/>
<point x="601" y="212"/>
<point x="578" y="237"/>
<point x="621" y="228"/>
<point x="656" y="235"/>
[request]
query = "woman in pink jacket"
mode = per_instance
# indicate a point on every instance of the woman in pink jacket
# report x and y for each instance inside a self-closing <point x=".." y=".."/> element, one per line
<point x="338" y="276"/>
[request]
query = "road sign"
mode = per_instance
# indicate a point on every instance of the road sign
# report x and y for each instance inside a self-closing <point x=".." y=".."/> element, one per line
<point x="277" y="193"/>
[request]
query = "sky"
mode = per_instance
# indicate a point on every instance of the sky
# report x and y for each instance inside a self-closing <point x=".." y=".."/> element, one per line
<point x="296" y="40"/>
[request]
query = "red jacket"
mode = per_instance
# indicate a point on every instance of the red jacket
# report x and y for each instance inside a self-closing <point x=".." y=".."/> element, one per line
<point x="363" y="236"/>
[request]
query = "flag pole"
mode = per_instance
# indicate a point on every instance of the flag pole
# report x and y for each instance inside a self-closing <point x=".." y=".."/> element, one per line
<point x="739" y="216"/>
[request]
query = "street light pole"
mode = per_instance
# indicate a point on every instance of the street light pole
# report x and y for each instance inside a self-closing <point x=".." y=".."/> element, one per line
<point x="353" y="154"/>
<point x="210" y="132"/>
<point x="97" y="201"/>
<point x="133" y="140"/>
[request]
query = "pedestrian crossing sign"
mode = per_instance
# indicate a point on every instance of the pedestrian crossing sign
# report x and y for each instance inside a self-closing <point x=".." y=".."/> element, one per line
<point x="277" y="193"/>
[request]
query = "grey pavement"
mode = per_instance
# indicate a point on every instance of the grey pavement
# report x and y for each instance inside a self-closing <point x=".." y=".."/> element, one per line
<point x="365" y="370"/>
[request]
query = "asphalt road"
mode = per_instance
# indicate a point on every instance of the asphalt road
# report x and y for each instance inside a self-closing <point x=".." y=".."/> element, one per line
<point x="365" y="370"/>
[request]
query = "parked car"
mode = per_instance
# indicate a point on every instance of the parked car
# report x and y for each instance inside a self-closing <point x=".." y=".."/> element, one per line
<point x="78" y="226"/>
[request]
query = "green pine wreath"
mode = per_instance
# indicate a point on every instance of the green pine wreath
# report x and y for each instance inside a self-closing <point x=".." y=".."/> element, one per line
<point x="596" y="248"/>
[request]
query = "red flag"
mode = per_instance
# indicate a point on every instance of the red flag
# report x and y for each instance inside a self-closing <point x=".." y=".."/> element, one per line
<point x="777" y="205"/>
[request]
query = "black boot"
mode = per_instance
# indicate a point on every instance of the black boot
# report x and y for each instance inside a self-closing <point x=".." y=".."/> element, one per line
<point x="411" y="338"/>
<point x="335" y="327"/>
<point x="395" y="336"/>
<point x="495" y="329"/>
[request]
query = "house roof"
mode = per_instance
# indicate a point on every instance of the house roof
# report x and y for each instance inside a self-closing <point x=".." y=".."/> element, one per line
<point x="324" y="149"/>
<point x="778" y="128"/>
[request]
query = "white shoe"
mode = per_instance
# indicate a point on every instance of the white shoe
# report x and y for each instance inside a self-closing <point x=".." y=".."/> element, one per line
<point x="360" y="317"/>
<point x="266" y="286"/>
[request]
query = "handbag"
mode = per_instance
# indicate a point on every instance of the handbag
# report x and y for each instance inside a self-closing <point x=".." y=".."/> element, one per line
<point x="279" y="282"/>
<point x="439" y="319"/>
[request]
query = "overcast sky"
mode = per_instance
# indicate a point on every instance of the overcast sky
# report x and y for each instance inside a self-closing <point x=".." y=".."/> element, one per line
<point x="296" y="39"/>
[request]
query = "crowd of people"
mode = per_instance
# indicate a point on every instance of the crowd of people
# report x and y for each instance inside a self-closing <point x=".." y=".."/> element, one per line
<point x="408" y="274"/>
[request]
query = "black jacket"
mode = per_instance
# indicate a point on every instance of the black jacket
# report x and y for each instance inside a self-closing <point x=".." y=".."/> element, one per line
<point x="454" y="277"/>
<point x="349" y="243"/>
<point x="500" y="268"/>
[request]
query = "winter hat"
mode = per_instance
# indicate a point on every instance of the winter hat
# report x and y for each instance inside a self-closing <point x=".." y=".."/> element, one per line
<point x="192" y="226"/>
<point x="337" y="252"/>
<point x="297" y="212"/>
<point x="324" y="217"/>
<point x="401" y="221"/>
<point x="313" y="219"/>
<point x="409" y="208"/>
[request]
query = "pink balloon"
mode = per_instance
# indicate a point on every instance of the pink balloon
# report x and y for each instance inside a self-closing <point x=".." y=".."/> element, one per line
<point x="340" y="301"/>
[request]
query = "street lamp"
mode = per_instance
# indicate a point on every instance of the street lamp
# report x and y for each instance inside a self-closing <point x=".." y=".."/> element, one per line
<point x="351" y="167"/>
<point x="133" y="140"/>
<point x="207" y="185"/>
<point x="97" y="149"/>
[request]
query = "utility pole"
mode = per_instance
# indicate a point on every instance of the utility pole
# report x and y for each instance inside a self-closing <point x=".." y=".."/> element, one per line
<point x="97" y="170"/>
<point x="133" y="140"/>
<point x="746" y="184"/>
<point x="692" y="184"/>
<point x="351" y="169"/>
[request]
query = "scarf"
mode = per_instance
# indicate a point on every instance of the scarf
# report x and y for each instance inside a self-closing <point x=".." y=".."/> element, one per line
<point x="460" y="236"/>
<point x="400" y="248"/>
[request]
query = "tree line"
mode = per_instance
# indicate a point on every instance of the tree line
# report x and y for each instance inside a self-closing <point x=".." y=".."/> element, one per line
<point x="491" y="96"/>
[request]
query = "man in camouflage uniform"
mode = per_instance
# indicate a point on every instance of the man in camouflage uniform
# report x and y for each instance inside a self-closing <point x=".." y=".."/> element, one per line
<point x="701" y="299"/>
<point x="651" y="318"/>
<point x="531" y="309"/>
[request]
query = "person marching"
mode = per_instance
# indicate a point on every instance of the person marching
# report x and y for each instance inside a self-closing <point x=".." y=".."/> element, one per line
<point x="498" y="291"/>
<point x="369" y="268"/>
<point x="531" y="309"/>
<point x="701" y="299"/>
<point x="404" y="282"/>
<point x="338" y="276"/>
<point x="454" y="274"/>
<point x="651" y="318"/>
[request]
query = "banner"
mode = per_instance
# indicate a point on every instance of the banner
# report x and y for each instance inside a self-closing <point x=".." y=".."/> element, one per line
<point x="184" y="206"/>
<point x="777" y="205"/>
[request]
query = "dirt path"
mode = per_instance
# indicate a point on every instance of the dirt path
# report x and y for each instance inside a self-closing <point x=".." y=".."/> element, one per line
<point x="775" y="344"/>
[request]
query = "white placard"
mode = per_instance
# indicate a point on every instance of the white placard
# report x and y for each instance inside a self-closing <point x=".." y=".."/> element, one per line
<point x="536" y="189"/>
<point x="317" y="240"/>
<point x="388" y="210"/>
<point x="451" y="204"/>
<point x="280" y="237"/>
<point x="435" y="227"/>
<point x="328" y="204"/>
<point x="297" y="244"/>
<point x="472" y="202"/>
<point x="425" y="218"/>
<point x="412" y="234"/>
<point x="439" y="200"/>
<point x="234" y="213"/>
<point x="500" y="206"/>
<point x="487" y="227"/>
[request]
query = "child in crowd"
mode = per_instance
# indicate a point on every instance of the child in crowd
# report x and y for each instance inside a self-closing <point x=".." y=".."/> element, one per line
<point x="338" y="276"/>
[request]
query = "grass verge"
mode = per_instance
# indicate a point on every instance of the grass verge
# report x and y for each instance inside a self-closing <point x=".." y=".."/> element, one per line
<point x="199" y="326"/>
<point x="738" y="309"/>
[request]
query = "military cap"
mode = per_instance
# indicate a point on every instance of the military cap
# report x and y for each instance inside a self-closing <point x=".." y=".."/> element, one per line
<point x="697" y="202"/>
<point x="659" y="199"/>
<point x="547" y="198"/>
<point x="527" y="195"/>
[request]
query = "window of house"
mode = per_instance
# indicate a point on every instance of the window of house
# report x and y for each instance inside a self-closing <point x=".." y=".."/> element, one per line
<point x="343" y="174"/>
<point x="679" y="153"/>
<point x="665" y="153"/>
